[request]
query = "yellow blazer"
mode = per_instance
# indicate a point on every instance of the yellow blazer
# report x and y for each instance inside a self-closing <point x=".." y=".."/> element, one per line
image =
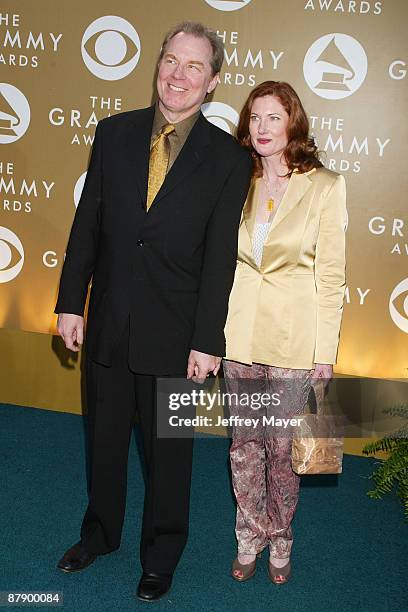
<point x="287" y="312"/>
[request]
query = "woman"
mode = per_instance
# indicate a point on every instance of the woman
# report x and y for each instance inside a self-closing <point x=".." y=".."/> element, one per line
<point x="285" y="311"/>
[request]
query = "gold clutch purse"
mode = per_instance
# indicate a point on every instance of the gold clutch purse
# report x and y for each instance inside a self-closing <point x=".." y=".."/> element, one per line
<point x="316" y="445"/>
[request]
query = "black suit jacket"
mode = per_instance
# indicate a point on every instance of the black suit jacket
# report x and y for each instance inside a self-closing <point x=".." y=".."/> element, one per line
<point x="169" y="269"/>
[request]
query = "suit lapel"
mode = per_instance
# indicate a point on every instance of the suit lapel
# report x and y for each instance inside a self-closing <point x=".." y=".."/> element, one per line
<point x="190" y="156"/>
<point x="297" y="187"/>
<point x="249" y="212"/>
<point x="138" y="145"/>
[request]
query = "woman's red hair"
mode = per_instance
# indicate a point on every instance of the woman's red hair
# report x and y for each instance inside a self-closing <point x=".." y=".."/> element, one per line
<point x="301" y="152"/>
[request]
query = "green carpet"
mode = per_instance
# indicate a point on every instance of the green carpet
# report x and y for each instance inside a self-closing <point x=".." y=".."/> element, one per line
<point x="350" y="552"/>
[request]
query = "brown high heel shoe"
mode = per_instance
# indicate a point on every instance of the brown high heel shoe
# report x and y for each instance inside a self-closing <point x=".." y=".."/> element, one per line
<point x="246" y="571"/>
<point x="279" y="575"/>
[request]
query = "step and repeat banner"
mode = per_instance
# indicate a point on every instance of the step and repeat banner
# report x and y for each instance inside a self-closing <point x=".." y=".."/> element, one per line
<point x="65" y="65"/>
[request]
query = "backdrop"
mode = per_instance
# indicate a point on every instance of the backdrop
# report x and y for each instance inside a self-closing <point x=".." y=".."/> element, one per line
<point x="66" y="65"/>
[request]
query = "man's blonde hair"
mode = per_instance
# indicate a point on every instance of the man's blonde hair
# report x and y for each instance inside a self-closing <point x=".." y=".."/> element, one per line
<point x="200" y="31"/>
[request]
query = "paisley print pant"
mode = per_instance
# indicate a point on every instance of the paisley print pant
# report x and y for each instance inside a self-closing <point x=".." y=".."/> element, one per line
<point x="266" y="488"/>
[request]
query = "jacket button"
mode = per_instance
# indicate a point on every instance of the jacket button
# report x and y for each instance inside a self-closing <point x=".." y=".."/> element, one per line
<point x="140" y="242"/>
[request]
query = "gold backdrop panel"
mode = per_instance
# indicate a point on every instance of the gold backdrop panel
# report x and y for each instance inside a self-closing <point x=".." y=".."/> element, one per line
<point x="66" y="65"/>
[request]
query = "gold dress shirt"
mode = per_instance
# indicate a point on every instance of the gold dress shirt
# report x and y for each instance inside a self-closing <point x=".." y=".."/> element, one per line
<point x="177" y="138"/>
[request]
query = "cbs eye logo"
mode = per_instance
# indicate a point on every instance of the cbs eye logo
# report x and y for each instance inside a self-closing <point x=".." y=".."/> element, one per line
<point x="228" y="5"/>
<point x="11" y="255"/>
<point x="79" y="185"/>
<point x="221" y="115"/>
<point x="400" y="320"/>
<point x="110" y="48"/>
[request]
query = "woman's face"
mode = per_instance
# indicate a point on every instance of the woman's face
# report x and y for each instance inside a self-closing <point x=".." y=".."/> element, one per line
<point x="267" y="126"/>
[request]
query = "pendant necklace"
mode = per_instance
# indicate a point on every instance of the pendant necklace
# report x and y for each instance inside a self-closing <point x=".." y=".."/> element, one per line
<point x="271" y="202"/>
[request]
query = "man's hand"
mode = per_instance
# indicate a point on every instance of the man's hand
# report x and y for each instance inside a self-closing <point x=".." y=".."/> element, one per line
<point x="200" y="364"/>
<point x="323" y="371"/>
<point x="71" y="329"/>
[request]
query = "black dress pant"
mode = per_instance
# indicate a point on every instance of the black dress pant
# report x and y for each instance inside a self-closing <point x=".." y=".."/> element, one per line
<point x="114" y="395"/>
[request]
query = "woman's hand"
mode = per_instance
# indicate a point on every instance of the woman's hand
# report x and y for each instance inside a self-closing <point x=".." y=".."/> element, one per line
<point x="324" y="372"/>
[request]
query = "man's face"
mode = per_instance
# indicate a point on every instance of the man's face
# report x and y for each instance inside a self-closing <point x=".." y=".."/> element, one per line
<point x="185" y="76"/>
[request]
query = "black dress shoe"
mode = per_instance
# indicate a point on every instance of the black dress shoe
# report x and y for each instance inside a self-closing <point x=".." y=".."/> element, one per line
<point x="153" y="586"/>
<point x="75" y="559"/>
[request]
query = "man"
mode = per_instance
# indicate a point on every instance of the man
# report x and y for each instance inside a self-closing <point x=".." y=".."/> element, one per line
<point x="156" y="230"/>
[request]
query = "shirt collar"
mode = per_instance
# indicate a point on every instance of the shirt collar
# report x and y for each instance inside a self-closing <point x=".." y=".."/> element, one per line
<point x="182" y="128"/>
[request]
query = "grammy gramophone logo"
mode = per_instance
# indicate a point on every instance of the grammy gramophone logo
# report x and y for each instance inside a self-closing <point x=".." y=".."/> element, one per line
<point x="335" y="66"/>
<point x="8" y="118"/>
<point x="335" y="80"/>
<point x="14" y="113"/>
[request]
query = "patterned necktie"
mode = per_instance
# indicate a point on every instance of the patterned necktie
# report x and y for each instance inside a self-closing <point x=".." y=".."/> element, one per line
<point x="159" y="159"/>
